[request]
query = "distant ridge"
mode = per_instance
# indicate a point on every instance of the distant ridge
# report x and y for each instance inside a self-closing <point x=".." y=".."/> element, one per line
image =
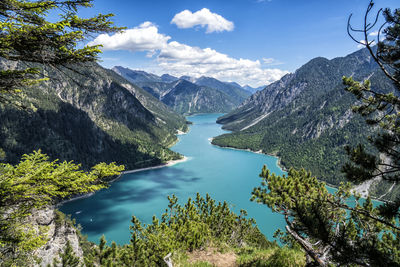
<point x="188" y="95"/>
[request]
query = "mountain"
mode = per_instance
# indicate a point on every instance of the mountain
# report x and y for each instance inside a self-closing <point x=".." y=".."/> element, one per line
<point x="188" y="98"/>
<point x="305" y="118"/>
<point x="137" y="76"/>
<point x="234" y="84"/>
<point x="238" y="94"/>
<point x="90" y="114"/>
<point x="188" y="78"/>
<point x="168" y="78"/>
<point x="253" y="89"/>
<point x="187" y="95"/>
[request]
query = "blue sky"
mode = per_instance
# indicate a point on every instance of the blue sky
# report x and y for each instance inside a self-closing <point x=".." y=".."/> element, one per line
<point x="248" y="41"/>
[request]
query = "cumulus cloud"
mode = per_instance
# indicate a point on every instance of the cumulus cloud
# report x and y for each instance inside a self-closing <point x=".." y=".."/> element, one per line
<point x="180" y="59"/>
<point x="204" y="17"/>
<point x="374" y="33"/>
<point x="363" y="43"/>
<point x="268" y="60"/>
<point x="145" y="37"/>
<point x="373" y="41"/>
<point x="271" y="61"/>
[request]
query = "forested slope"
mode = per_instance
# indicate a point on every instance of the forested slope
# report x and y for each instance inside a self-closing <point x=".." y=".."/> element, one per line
<point x="306" y="118"/>
<point x="90" y="114"/>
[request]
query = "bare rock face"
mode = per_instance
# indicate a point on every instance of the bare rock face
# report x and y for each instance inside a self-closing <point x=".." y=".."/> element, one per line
<point x="60" y="231"/>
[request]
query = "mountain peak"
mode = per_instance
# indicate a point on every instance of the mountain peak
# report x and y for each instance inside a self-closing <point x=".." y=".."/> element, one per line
<point x="168" y="78"/>
<point x="188" y="78"/>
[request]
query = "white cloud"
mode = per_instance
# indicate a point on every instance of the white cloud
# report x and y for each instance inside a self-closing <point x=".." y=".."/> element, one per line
<point x="145" y="37"/>
<point x="362" y="43"/>
<point x="204" y="17"/>
<point x="373" y="40"/>
<point x="271" y="61"/>
<point x="374" y="33"/>
<point x="268" y="60"/>
<point x="180" y="59"/>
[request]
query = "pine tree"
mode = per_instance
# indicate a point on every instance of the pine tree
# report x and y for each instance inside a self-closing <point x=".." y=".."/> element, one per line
<point x="380" y="109"/>
<point x="339" y="228"/>
<point x="68" y="257"/>
<point x="33" y="184"/>
<point x="27" y="36"/>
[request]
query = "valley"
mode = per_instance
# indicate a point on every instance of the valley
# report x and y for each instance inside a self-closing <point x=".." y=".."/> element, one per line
<point x="177" y="133"/>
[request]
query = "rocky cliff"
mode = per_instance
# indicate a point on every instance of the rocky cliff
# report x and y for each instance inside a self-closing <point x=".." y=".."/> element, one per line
<point x="59" y="231"/>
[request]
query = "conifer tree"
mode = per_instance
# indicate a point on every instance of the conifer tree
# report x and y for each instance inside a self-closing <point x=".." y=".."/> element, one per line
<point x="33" y="184"/>
<point x="31" y="40"/>
<point x="381" y="109"/>
<point x="27" y="36"/>
<point x="339" y="228"/>
<point x="68" y="257"/>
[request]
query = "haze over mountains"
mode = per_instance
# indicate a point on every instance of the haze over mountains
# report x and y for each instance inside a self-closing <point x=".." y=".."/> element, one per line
<point x="188" y="95"/>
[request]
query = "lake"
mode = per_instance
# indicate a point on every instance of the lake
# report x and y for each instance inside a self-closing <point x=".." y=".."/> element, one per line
<point x="226" y="174"/>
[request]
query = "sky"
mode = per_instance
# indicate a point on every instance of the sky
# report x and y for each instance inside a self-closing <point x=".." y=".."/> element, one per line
<point x="252" y="42"/>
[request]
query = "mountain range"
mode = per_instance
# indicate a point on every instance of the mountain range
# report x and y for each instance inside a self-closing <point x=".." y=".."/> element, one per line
<point x="89" y="114"/>
<point x="188" y="95"/>
<point x="306" y="119"/>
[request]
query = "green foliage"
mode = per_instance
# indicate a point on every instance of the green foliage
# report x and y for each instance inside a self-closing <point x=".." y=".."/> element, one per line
<point x="27" y="36"/>
<point x="380" y="109"/>
<point x="68" y="258"/>
<point x="271" y="257"/>
<point x="91" y="127"/>
<point x="194" y="225"/>
<point x="326" y="224"/>
<point x="2" y="155"/>
<point x="339" y="228"/>
<point x="36" y="183"/>
<point x="309" y="118"/>
<point x="286" y="257"/>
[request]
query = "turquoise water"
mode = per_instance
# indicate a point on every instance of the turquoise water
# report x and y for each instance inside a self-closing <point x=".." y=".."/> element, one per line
<point x="226" y="174"/>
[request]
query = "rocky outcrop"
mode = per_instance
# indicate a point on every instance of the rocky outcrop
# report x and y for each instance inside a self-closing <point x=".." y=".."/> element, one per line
<point x="59" y="232"/>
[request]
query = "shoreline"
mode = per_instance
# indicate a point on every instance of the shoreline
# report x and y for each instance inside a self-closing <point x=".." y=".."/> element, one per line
<point x="283" y="168"/>
<point x="168" y="164"/>
<point x="278" y="162"/>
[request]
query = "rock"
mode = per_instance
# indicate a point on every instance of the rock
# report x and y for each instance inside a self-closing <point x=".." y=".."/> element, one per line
<point x="60" y="231"/>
